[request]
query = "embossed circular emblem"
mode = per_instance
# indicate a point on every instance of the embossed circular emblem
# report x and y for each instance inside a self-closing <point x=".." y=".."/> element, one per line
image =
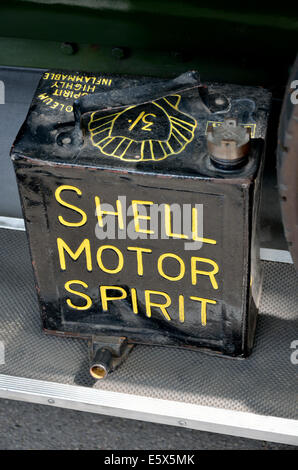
<point x="150" y="131"/>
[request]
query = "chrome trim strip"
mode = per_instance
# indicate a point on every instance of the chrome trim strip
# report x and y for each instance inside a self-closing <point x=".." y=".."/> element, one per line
<point x="12" y="223"/>
<point x="281" y="256"/>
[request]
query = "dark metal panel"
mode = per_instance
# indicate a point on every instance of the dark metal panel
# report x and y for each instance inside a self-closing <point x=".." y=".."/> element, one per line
<point x="228" y="43"/>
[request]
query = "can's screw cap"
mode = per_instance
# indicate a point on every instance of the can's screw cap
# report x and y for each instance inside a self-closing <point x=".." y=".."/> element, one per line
<point x="229" y="143"/>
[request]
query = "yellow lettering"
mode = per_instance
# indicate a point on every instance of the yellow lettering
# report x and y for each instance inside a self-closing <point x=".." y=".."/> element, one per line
<point x="137" y="216"/>
<point x="100" y="212"/>
<point x="162" y="307"/>
<point x="105" y="299"/>
<point x="168" y="224"/>
<point x="85" y="245"/>
<point x="134" y="300"/>
<point x="136" y="121"/>
<point x="148" y="124"/>
<point x="210" y="274"/>
<point x="120" y="259"/>
<point x="204" y="302"/>
<point x="160" y="266"/>
<point x="139" y="251"/>
<point x="181" y="308"/>
<point x="70" y="206"/>
<point x="80" y="294"/>
<point x="194" y="229"/>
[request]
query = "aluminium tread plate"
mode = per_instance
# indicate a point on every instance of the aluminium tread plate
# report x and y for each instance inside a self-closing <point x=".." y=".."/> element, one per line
<point x="255" y="397"/>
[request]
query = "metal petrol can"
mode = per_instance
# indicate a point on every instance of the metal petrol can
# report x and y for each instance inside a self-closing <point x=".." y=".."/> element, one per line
<point x="140" y="197"/>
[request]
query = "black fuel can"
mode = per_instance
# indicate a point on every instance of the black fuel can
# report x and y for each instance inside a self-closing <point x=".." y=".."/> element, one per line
<point x="140" y="198"/>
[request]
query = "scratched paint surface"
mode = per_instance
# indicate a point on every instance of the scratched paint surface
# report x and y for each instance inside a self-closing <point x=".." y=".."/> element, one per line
<point x="145" y="287"/>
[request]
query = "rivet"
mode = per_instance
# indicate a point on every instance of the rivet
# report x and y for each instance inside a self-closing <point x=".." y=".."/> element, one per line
<point x="118" y="52"/>
<point x="182" y="423"/>
<point x="68" y="48"/>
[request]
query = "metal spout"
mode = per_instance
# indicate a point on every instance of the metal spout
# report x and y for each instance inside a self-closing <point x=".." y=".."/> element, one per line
<point x="101" y="364"/>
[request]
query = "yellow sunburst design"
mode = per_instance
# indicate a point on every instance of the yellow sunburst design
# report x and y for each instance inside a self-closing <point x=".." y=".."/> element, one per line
<point x="151" y="131"/>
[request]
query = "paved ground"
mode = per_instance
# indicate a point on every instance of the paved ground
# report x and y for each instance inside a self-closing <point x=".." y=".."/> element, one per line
<point x="29" y="426"/>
